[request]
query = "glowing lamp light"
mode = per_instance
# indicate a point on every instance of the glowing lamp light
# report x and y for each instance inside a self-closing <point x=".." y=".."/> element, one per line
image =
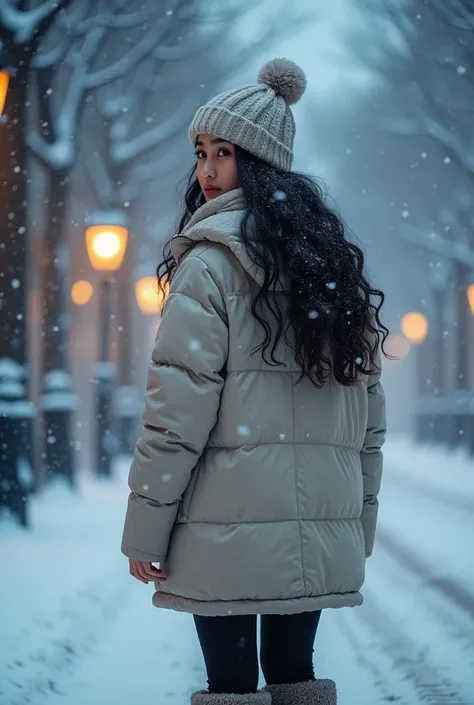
<point x="397" y="346"/>
<point x="4" y="81"/>
<point x="415" y="327"/>
<point x="106" y="239"/>
<point x="81" y="292"/>
<point x="470" y="297"/>
<point x="149" y="297"/>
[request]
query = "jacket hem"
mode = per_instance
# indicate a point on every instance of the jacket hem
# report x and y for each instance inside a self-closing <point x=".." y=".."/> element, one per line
<point x="222" y="608"/>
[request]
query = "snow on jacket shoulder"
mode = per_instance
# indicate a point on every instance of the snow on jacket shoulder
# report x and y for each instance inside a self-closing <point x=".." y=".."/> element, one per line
<point x="258" y="495"/>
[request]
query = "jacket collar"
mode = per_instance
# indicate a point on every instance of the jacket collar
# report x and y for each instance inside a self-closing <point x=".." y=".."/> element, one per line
<point x="218" y="220"/>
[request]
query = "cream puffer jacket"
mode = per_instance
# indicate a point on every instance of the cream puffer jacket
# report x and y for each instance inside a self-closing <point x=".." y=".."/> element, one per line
<point x="258" y="496"/>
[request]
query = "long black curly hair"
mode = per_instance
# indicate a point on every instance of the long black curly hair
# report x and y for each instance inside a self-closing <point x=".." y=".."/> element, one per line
<point x="291" y="233"/>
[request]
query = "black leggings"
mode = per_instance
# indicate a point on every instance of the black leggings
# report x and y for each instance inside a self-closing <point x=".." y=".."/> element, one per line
<point x="229" y="646"/>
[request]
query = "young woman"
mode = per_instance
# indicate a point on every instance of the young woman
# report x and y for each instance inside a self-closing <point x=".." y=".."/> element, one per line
<point x="255" y="482"/>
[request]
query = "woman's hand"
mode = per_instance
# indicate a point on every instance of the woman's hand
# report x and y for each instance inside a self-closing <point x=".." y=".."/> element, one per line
<point x="146" y="572"/>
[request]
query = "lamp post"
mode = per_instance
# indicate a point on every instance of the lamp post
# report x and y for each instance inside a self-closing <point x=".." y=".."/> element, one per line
<point x="414" y="326"/>
<point x="128" y="401"/>
<point x="106" y="240"/>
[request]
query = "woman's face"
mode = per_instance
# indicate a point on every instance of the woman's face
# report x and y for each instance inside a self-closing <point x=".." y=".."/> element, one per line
<point x="216" y="165"/>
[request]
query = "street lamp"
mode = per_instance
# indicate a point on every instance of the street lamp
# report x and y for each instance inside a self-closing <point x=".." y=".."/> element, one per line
<point x="470" y="297"/>
<point x="149" y="297"/>
<point x="128" y="400"/>
<point x="7" y="69"/>
<point x="398" y="346"/>
<point x="4" y="81"/>
<point x="414" y="327"/>
<point x="106" y="240"/>
<point x="81" y="292"/>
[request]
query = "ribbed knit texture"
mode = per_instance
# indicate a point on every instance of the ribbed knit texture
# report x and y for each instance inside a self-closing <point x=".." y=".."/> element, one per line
<point x="253" y="117"/>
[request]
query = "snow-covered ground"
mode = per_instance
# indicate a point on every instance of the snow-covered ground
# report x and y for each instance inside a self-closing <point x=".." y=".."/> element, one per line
<point x="76" y="628"/>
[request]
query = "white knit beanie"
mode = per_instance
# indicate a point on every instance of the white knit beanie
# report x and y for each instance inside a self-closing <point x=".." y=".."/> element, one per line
<point x="257" y="117"/>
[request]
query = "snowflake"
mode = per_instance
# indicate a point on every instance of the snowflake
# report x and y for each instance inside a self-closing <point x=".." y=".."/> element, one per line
<point x="145" y="488"/>
<point x="282" y="436"/>
<point x="279" y="196"/>
<point x="166" y="477"/>
<point x="194" y="345"/>
<point x="313" y="314"/>
<point x="331" y="285"/>
<point x="243" y="430"/>
<point x="358" y="361"/>
<point x="461" y="70"/>
<point x="405" y="213"/>
<point x="447" y="160"/>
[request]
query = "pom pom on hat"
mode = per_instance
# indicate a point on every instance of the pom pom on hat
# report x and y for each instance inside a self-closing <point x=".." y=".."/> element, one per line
<point x="285" y="77"/>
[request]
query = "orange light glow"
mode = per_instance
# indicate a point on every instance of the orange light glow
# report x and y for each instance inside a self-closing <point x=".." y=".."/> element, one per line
<point x="81" y="292"/>
<point x="149" y="297"/>
<point x="398" y="346"/>
<point x="415" y="327"/>
<point x="106" y="245"/>
<point x="470" y="297"/>
<point x="4" y="81"/>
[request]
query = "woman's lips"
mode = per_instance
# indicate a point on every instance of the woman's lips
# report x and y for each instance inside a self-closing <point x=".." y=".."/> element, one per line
<point x="211" y="189"/>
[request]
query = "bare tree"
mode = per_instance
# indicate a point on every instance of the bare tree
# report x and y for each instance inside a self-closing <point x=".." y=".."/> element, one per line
<point x="135" y="121"/>
<point x="22" y="31"/>
<point x="68" y="71"/>
<point x="430" y="66"/>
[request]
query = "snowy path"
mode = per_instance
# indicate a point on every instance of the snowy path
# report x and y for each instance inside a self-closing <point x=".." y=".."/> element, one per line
<point x="76" y="628"/>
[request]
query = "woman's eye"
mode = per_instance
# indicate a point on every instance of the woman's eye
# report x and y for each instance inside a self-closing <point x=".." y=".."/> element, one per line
<point x="224" y="152"/>
<point x="199" y="155"/>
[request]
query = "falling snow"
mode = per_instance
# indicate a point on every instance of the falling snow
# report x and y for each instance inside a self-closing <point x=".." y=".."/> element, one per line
<point x="194" y="345"/>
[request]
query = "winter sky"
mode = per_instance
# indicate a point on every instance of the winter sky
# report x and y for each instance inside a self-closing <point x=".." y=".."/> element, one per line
<point x="321" y="48"/>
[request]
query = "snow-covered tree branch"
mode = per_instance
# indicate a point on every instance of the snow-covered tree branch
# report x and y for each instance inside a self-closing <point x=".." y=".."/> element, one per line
<point x="25" y="24"/>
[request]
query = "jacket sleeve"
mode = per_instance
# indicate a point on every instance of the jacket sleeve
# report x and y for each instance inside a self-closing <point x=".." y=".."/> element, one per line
<point x="372" y="458"/>
<point x="182" y="398"/>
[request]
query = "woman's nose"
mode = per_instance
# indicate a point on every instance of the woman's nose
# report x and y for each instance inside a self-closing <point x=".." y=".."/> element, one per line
<point x="209" y="169"/>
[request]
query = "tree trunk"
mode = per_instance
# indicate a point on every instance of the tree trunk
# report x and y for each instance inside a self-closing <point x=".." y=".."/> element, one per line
<point x="58" y="401"/>
<point x="13" y="223"/>
<point x="15" y="410"/>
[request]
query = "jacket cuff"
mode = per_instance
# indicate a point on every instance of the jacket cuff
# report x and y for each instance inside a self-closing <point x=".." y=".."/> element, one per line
<point x="137" y="555"/>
